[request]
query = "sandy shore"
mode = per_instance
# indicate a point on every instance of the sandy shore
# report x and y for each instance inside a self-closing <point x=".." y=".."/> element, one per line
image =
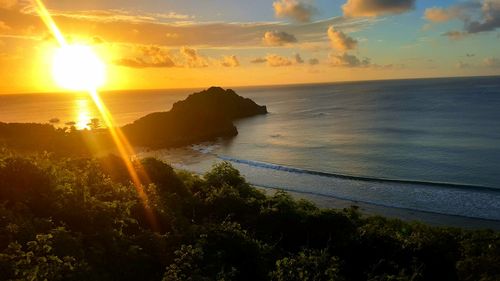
<point x="433" y="219"/>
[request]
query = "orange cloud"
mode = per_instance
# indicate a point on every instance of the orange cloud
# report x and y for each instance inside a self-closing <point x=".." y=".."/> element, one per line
<point x="118" y="26"/>
<point x="374" y="8"/>
<point x="193" y="59"/>
<point x="293" y="9"/>
<point x="150" y="56"/>
<point x="112" y="15"/>
<point x="436" y="14"/>
<point x="346" y="60"/>
<point x="275" y="38"/>
<point x="276" y="61"/>
<point x="298" y="59"/>
<point x="230" y="61"/>
<point x="340" y="40"/>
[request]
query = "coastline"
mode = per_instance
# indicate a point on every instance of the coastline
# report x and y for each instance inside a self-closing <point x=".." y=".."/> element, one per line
<point x="197" y="162"/>
<point x="429" y="218"/>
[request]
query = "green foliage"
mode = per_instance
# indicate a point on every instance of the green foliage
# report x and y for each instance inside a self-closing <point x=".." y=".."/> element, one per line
<point x="185" y="265"/>
<point x="36" y="261"/>
<point x="82" y="219"/>
<point x="308" y="266"/>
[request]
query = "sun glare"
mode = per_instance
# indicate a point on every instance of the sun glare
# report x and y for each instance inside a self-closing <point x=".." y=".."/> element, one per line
<point x="78" y="68"/>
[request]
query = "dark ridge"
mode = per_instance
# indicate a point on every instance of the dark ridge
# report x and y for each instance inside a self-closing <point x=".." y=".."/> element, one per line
<point x="202" y="116"/>
<point x="219" y="102"/>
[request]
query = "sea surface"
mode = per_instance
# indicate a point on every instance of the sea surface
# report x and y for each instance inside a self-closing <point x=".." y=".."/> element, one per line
<point x="430" y="145"/>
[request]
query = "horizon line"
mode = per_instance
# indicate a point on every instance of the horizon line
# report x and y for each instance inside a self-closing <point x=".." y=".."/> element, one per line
<point x="260" y="85"/>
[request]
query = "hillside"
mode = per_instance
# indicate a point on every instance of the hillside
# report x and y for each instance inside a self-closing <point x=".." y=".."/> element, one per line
<point x="81" y="219"/>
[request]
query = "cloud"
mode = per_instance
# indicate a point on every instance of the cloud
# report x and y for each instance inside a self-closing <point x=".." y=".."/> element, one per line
<point x="276" y="61"/>
<point x="476" y="16"/>
<point x="259" y="60"/>
<point x="7" y="4"/>
<point x="374" y="8"/>
<point x="294" y="9"/>
<point x="313" y="61"/>
<point x="275" y="38"/>
<point x="121" y="26"/>
<point x="340" y="40"/>
<point x="112" y="15"/>
<point x="490" y="20"/>
<point x="150" y="56"/>
<point x="298" y="59"/>
<point x="436" y="14"/>
<point x="153" y="56"/>
<point x="193" y="59"/>
<point x="230" y="61"/>
<point x="347" y="60"/>
<point x="454" y="35"/>
<point x="492" y="62"/>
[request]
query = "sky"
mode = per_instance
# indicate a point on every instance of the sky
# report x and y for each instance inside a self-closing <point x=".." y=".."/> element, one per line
<point x="156" y="44"/>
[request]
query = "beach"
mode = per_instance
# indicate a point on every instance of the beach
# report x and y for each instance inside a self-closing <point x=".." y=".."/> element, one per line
<point x="432" y="219"/>
<point x="191" y="160"/>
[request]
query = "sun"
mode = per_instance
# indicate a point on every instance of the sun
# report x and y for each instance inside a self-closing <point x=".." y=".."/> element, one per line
<point x="78" y="68"/>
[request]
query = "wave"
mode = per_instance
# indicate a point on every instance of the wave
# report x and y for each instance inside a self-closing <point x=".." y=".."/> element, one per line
<point x="377" y="204"/>
<point x="265" y="165"/>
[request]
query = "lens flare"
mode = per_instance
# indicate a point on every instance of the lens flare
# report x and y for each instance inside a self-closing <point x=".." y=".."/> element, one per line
<point x="78" y="68"/>
<point x="67" y="59"/>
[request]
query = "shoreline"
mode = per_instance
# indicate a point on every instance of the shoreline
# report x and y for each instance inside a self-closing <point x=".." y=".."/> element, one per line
<point x="190" y="159"/>
<point x="428" y="218"/>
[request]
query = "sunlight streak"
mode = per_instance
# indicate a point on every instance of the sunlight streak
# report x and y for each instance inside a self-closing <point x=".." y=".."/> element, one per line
<point x="122" y="144"/>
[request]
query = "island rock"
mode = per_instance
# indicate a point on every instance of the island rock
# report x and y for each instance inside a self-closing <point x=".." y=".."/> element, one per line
<point x="202" y="116"/>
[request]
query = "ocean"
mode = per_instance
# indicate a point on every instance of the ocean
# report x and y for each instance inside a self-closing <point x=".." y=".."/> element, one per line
<point x="430" y="145"/>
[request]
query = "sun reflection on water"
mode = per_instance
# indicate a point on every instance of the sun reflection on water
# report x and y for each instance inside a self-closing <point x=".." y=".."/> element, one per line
<point x="82" y="114"/>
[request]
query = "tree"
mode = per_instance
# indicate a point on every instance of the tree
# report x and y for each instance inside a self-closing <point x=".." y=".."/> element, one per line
<point x="94" y="124"/>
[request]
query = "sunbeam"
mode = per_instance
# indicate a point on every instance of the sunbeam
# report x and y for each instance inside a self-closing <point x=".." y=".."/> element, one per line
<point x="90" y="85"/>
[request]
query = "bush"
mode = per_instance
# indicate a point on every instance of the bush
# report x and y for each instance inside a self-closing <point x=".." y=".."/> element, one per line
<point x="82" y="219"/>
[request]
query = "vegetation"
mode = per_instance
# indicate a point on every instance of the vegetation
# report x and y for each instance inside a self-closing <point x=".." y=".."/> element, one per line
<point x="81" y="219"/>
<point x="46" y="137"/>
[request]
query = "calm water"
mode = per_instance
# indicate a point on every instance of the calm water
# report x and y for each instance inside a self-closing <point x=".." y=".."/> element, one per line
<point x="430" y="131"/>
<point x="424" y="130"/>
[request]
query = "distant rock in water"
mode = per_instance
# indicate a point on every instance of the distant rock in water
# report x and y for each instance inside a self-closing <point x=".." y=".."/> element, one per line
<point x="203" y="116"/>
